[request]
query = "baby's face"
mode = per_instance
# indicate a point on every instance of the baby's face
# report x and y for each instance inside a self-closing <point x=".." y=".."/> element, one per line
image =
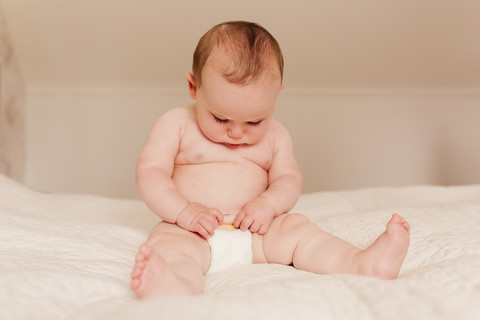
<point x="235" y="115"/>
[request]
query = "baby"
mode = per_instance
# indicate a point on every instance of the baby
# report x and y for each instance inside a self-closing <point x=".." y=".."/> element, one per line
<point x="225" y="161"/>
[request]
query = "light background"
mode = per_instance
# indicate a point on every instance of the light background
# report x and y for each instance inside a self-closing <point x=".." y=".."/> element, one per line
<point x="378" y="93"/>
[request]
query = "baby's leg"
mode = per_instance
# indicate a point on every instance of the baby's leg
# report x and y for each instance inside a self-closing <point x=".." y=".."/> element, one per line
<point x="292" y="239"/>
<point x="172" y="260"/>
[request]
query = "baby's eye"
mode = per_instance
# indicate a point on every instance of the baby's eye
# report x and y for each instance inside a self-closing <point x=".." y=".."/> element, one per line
<point x="254" y="123"/>
<point x="220" y="120"/>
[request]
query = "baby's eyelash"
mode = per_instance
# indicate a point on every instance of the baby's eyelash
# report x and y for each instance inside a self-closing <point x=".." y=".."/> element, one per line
<point x="251" y="123"/>
<point x="220" y="120"/>
<point x="256" y="123"/>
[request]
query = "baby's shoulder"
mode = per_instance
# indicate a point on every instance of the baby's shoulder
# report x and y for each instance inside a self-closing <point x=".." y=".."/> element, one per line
<point x="278" y="130"/>
<point x="178" y="114"/>
<point x="176" y="117"/>
<point x="279" y="137"/>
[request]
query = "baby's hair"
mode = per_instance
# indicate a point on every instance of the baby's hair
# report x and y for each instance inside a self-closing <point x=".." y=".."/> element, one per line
<point x="249" y="49"/>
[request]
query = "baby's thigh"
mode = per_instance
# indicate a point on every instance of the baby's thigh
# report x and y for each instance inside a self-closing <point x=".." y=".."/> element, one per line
<point x="169" y="240"/>
<point x="281" y="239"/>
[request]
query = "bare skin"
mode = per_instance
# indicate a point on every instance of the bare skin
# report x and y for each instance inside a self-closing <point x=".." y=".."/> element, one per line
<point x="224" y="160"/>
<point x="153" y="275"/>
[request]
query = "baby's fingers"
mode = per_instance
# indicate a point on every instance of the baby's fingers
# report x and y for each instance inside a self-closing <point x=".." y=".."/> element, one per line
<point x="263" y="229"/>
<point x="265" y="225"/>
<point x="205" y="227"/>
<point x="238" y="219"/>
<point x="201" y="231"/>
<point x="246" y="223"/>
<point x="255" y="227"/>
<point x="218" y="215"/>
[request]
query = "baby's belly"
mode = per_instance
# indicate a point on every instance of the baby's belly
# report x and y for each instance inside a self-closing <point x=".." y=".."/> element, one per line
<point x="226" y="186"/>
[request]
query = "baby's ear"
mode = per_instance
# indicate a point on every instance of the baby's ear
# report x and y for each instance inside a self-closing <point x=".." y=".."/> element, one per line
<point x="192" y="88"/>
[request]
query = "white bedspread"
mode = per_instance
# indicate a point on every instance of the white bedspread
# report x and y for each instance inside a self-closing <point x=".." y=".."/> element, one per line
<point x="70" y="257"/>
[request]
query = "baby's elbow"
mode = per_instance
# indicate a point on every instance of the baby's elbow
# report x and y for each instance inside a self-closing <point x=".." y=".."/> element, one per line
<point x="297" y="178"/>
<point x="144" y="171"/>
<point x="140" y="168"/>
<point x="300" y="183"/>
<point x="295" y="182"/>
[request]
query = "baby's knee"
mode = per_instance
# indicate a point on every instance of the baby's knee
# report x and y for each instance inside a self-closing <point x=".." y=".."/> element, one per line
<point x="281" y="241"/>
<point x="167" y="236"/>
<point x="292" y="221"/>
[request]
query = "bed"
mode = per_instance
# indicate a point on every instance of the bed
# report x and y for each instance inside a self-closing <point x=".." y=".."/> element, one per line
<point x="69" y="256"/>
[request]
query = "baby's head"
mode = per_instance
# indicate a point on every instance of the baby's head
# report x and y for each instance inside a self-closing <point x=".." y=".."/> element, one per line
<point x="237" y="75"/>
<point x="241" y="51"/>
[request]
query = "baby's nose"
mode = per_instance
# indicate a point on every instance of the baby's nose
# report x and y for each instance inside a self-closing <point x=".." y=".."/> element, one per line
<point x="235" y="132"/>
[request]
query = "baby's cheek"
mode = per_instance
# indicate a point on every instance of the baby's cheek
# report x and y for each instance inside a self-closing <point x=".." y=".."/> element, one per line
<point x="256" y="135"/>
<point x="214" y="134"/>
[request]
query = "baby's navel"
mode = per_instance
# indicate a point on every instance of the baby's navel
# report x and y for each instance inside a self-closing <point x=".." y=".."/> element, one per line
<point x="200" y="156"/>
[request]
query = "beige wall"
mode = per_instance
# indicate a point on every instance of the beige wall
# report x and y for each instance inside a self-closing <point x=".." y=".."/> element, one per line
<point x="88" y="140"/>
<point x="354" y="140"/>
<point x="326" y="43"/>
<point x="379" y="93"/>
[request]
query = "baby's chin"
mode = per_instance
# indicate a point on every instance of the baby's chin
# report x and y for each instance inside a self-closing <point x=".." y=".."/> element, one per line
<point x="230" y="144"/>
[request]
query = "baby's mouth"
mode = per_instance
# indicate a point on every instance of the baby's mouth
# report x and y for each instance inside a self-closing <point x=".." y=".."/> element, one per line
<point x="231" y="145"/>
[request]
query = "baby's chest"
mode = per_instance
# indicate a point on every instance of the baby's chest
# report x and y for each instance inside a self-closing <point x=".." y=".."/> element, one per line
<point x="200" y="152"/>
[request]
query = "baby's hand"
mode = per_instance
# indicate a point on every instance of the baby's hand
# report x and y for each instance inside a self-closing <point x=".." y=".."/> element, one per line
<point x="198" y="218"/>
<point x="256" y="216"/>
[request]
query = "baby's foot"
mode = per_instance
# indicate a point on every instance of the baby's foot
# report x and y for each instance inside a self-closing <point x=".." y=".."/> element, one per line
<point x="151" y="276"/>
<point x="385" y="256"/>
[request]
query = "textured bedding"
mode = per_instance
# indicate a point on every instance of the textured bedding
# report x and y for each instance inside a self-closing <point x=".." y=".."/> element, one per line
<point x="67" y="256"/>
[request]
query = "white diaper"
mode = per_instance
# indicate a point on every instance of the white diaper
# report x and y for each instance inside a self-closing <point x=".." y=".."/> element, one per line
<point x="230" y="248"/>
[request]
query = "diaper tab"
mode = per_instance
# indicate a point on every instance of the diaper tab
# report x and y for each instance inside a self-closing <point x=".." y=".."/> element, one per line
<point x="226" y="227"/>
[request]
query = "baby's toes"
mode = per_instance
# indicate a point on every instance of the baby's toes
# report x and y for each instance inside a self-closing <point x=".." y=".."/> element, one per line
<point x="136" y="272"/>
<point x="135" y="284"/>
<point x="406" y="225"/>
<point x="146" y="250"/>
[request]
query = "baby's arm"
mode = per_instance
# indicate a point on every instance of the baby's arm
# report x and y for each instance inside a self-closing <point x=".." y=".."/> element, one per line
<point x="285" y="186"/>
<point x="154" y="180"/>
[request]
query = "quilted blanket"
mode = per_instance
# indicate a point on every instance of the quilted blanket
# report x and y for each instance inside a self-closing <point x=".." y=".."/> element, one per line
<point x="68" y="256"/>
